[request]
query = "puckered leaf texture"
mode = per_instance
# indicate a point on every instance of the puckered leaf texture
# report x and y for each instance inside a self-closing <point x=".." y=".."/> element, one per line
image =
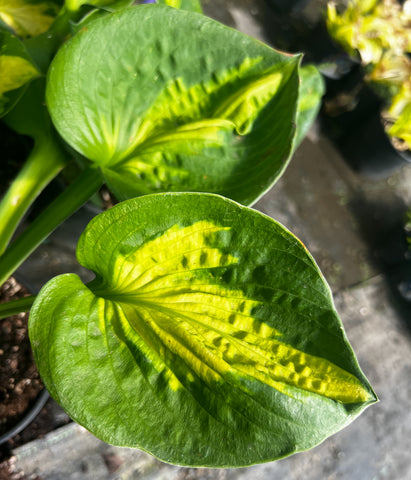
<point x="163" y="99"/>
<point x="208" y="337"/>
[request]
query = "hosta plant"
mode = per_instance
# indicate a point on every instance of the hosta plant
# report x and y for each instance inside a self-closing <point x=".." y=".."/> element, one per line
<point x="208" y="336"/>
<point x="143" y="117"/>
<point x="378" y="32"/>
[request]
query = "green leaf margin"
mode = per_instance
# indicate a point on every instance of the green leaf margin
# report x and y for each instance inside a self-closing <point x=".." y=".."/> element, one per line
<point x="238" y="423"/>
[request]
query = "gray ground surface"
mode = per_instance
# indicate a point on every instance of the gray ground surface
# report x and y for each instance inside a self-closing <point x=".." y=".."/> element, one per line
<point x="347" y="223"/>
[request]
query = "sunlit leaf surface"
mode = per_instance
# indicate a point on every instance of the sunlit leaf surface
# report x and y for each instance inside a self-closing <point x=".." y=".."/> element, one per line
<point x="180" y="103"/>
<point x="208" y="337"/>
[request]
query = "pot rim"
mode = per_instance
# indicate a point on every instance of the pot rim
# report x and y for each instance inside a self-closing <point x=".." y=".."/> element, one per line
<point x="28" y="418"/>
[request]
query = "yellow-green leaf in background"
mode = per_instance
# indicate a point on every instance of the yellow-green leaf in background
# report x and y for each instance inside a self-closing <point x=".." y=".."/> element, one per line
<point x="28" y="18"/>
<point x="402" y="126"/>
<point x="208" y="337"/>
<point x="16" y="70"/>
<point x="355" y="31"/>
<point x="371" y="28"/>
<point x="392" y="70"/>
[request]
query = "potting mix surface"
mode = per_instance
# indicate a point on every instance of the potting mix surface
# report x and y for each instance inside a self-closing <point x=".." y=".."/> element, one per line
<point x="20" y="382"/>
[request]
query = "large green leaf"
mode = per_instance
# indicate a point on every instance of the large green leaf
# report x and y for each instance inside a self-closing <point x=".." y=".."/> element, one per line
<point x="16" y="70"/>
<point x="169" y="100"/>
<point x="209" y="336"/>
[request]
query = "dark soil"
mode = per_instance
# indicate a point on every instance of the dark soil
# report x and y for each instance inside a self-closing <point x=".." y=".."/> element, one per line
<point x="20" y="384"/>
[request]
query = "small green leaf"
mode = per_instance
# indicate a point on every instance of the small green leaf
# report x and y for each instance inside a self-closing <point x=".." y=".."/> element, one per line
<point x="154" y="119"/>
<point x="28" y="18"/>
<point x="16" y="71"/>
<point x="208" y="338"/>
<point x="309" y="100"/>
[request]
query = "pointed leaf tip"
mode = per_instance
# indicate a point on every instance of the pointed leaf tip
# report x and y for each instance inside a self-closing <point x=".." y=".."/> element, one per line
<point x="207" y="315"/>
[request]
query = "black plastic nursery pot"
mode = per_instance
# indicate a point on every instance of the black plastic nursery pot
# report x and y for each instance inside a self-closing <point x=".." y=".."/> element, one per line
<point x="22" y="394"/>
<point x="287" y="5"/>
<point x="359" y="132"/>
<point x="27" y="419"/>
<point x="370" y="152"/>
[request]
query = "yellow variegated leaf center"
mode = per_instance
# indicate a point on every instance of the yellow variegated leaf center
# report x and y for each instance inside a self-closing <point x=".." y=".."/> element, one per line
<point x="170" y="297"/>
<point x="185" y="114"/>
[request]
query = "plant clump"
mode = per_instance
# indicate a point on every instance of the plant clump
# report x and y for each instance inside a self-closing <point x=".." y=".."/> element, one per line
<point x="209" y="336"/>
<point x="378" y="33"/>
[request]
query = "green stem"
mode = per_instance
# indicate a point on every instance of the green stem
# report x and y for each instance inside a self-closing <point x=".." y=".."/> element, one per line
<point x="44" y="163"/>
<point x="86" y="184"/>
<point x="16" y="306"/>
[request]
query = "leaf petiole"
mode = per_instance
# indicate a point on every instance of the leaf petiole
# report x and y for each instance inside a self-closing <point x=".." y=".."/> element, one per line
<point x="43" y="164"/>
<point x="16" y="306"/>
<point x="86" y="184"/>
